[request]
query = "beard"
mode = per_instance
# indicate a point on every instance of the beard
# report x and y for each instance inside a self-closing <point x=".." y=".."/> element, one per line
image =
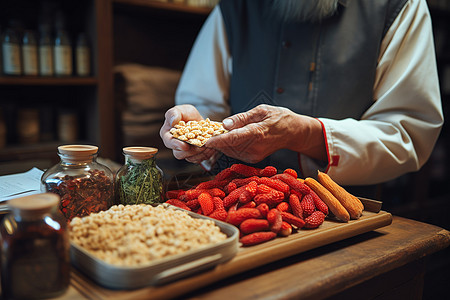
<point x="305" y="10"/>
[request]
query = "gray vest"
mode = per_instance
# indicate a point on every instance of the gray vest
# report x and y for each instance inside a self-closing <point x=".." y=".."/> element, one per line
<point x="324" y="69"/>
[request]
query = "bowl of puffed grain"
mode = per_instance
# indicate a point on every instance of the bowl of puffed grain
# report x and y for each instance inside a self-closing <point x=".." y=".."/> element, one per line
<point x="133" y="246"/>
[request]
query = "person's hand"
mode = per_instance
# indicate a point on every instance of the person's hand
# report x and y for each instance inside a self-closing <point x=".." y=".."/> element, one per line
<point x="182" y="150"/>
<point x="259" y="132"/>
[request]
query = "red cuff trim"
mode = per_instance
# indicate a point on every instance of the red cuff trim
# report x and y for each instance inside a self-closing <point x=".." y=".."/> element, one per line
<point x="335" y="159"/>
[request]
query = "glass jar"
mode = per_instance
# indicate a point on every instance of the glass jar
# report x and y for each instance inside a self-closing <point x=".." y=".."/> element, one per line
<point x="35" y="259"/>
<point x="139" y="180"/>
<point x="84" y="185"/>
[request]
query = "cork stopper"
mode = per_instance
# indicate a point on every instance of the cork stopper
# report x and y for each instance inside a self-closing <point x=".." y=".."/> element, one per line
<point x="34" y="204"/>
<point x="140" y="153"/>
<point x="77" y="153"/>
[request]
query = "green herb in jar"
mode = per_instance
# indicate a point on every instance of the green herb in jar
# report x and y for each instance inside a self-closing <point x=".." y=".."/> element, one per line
<point x="140" y="180"/>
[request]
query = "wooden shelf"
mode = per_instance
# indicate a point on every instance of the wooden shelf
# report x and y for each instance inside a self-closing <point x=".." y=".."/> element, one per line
<point x="61" y="81"/>
<point x="166" y="6"/>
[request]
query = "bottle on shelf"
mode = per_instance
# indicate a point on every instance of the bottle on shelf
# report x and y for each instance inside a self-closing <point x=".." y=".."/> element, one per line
<point x="83" y="56"/>
<point x="63" y="55"/>
<point x="67" y="126"/>
<point x="12" y="63"/>
<point x="45" y="51"/>
<point x="28" y="130"/>
<point x="29" y="53"/>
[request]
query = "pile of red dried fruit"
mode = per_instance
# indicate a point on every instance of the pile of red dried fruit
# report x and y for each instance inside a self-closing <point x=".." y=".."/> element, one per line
<point x="262" y="203"/>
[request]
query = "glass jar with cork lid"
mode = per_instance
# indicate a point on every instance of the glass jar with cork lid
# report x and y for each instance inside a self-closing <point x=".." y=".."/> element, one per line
<point x="34" y="249"/>
<point x="139" y="180"/>
<point x="84" y="185"/>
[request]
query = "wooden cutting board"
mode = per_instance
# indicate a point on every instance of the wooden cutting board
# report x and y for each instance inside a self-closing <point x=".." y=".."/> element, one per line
<point x="248" y="258"/>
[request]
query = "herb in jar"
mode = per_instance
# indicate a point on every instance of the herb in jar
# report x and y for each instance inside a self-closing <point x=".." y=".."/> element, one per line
<point x="140" y="179"/>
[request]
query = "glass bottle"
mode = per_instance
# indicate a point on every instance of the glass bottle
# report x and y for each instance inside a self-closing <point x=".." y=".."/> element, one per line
<point x="29" y="53"/>
<point x="84" y="185"/>
<point x="83" y="56"/>
<point x="62" y="46"/>
<point x="35" y="259"/>
<point x="62" y="54"/>
<point x="139" y="180"/>
<point x="12" y="64"/>
<point x="45" y="52"/>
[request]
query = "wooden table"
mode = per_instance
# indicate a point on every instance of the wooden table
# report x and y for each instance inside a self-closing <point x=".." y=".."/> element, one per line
<point x="387" y="261"/>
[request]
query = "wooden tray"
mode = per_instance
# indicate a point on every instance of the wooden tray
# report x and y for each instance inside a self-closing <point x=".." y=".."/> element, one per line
<point x="247" y="258"/>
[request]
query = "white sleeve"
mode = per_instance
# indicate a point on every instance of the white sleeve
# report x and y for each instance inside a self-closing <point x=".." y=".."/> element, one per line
<point x="209" y="55"/>
<point x="397" y="133"/>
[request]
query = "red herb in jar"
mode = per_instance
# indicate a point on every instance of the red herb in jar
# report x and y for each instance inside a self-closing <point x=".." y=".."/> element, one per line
<point x="81" y="196"/>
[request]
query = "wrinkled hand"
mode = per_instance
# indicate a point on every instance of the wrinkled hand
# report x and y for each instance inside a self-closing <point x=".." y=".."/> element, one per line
<point x="182" y="150"/>
<point x="259" y="132"/>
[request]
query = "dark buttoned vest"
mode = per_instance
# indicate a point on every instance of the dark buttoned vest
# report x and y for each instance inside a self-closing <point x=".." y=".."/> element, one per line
<point x="322" y="69"/>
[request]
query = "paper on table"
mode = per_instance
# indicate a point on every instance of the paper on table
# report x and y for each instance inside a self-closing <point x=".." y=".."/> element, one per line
<point x="21" y="184"/>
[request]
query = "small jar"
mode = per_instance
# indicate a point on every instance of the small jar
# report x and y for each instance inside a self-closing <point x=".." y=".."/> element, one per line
<point x="35" y="259"/>
<point x="139" y="180"/>
<point x="84" y="185"/>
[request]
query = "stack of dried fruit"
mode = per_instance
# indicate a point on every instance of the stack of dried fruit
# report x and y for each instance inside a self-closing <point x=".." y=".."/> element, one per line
<point x="263" y="203"/>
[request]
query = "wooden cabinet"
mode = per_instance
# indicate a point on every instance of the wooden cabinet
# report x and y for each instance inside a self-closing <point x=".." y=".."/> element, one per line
<point x="140" y="31"/>
<point x="87" y="97"/>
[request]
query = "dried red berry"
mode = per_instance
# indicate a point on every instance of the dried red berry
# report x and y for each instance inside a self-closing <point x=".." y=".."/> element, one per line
<point x="210" y="184"/>
<point x="219" y="214"/>
<point x="275" y="184"/>
<point x="293" y="183"/>
<point x="315" y="219"/>
<point x="264" y="209"/>
<point x="275" y="220"/>
<point x="320" y="205"/>
<point x="284" y="206"/>
<point x="193" y="204"/>
<point x="174" y="194"/>
<point x="230" y="187"/>
<point x="268" y="171"/>
<point x="253" y="225"/>
<point x="296" y="207"/>
<point x="225" y="174"/>
<point x="293" y="220"/>
<point x="272" y="199"/>
<point x="178" y="203"/>
<point x="308" y="206"/>
<point x="240" y="215"/>
<point x="250" y="204"/>
<point x="257" y="238"/>
<point x="206" y="203"/>
<point x="291" y="172"/>
<point x="244" y="170"/>
<point x="218" y="203"/>
<point x="286" y="229"/>
<point x="249" y="192"/>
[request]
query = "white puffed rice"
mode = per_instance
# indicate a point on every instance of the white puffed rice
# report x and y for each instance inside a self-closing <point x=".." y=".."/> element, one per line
<point x="134" y="235"/>
<point x="197" y="132"/>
